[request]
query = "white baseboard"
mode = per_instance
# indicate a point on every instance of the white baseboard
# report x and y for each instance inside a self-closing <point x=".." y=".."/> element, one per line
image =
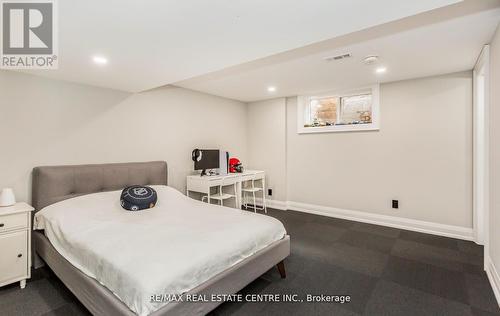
<point x="458" y="232"/>
<point x="493" y="276"/>
<point x="279" y="205"/>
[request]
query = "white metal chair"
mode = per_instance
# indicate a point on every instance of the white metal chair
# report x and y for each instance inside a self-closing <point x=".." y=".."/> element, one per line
<point x="250" y="187"/>
<point x="220" y="195"/>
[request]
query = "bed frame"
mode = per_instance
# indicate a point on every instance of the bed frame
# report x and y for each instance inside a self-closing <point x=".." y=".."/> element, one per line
<point x="54" y="184"/>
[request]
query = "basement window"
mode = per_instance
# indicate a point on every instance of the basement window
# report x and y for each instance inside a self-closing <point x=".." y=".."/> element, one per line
<point x="355" y="110"/>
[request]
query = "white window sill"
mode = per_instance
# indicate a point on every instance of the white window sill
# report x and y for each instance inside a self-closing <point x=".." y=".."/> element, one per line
<point x="338" y="128"/>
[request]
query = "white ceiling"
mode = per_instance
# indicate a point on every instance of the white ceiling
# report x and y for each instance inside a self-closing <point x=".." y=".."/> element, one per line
<point x="434" y="48"/>
<point x="154" y="43"/>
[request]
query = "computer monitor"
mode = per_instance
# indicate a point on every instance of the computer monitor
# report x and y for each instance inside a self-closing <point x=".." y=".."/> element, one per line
<point x="209" y="159"/>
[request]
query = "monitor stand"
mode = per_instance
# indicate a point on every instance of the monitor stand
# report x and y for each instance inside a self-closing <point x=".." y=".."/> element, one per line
<point x="203" y="173"/>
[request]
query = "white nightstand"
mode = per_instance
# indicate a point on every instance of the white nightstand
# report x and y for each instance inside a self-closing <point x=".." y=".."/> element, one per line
<point x="15" y="244"/>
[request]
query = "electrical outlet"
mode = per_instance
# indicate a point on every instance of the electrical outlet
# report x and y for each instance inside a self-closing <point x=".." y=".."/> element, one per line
<point x="395" y="203"/>
<point x="270" y="192"/>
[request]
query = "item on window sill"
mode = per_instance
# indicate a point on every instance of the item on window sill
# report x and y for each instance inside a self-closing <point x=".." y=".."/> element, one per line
<point x="235" y="165"/>
<point x="365" y="116"/>
<point x="7" y="197"/>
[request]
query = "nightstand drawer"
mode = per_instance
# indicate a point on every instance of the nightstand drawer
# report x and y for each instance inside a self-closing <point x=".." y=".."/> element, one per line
<point x="13" y="255"/>
<point x="13" y="221"/>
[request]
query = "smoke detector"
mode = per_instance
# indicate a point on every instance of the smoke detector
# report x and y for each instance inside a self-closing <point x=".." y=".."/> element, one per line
<point x="370" y="60"/>
<point x="338" y="57"/>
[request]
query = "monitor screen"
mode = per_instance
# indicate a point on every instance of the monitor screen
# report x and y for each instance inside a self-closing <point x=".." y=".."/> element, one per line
<point x="209" y="159"/>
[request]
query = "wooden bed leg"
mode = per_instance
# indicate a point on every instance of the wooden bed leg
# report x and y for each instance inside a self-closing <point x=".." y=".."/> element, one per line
<point x="281" y="269"/>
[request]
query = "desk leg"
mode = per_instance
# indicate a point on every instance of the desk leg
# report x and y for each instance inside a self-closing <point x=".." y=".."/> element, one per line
<point x="264" y="193"/>
<point x="239" y="196"/>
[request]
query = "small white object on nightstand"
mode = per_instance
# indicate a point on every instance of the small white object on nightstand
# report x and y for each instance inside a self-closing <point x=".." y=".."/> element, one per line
<point x="7" y="197"/>
<point x="15" y="244"/>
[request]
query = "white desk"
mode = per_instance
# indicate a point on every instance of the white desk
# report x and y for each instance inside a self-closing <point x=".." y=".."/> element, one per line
<point x="202" y="184"/>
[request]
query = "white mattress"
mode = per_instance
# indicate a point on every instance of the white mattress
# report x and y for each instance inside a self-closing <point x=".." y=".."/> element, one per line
<point x="169" y="249"/>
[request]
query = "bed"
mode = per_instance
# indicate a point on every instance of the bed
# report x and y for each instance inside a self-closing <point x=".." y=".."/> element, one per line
<point x="65" y="189"/>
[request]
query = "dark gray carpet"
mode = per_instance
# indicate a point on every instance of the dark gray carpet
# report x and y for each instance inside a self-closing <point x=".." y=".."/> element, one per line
<point x="386" y="271"/>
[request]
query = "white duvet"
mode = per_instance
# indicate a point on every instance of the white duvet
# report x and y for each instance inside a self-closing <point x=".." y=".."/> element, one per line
<point x="169" y="249"/>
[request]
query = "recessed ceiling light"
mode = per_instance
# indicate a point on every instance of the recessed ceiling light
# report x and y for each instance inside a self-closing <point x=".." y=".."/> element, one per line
<point x="100" y="60"/>
<point x="380" y="70"/>
<point x="271" y="89"/>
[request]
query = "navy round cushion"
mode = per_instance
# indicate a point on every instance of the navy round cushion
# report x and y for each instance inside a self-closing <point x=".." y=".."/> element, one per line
<point x="137" y="197"/>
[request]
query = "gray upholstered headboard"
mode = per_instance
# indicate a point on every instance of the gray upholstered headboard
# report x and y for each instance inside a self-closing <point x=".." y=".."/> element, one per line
<point x="57" y="183"/>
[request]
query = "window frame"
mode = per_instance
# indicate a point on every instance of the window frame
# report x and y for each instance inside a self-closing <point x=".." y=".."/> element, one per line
<point x="303" y="111"/>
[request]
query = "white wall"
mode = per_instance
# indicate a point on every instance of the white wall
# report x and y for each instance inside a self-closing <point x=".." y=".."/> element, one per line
<point x="422" y="155"/>
<point x="47" y="122"/>
<point x="494" y="229"/>
<point x="266" y="138"/>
